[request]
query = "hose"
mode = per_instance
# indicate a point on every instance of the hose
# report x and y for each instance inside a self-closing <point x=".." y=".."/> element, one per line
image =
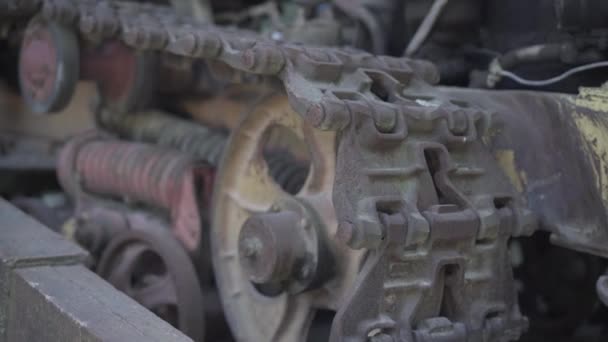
<point x="552" y="80"/>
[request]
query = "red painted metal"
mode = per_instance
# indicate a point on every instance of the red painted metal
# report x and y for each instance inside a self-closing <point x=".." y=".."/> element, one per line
<point x="159" y="178"/>
<point x="113" y="66"/>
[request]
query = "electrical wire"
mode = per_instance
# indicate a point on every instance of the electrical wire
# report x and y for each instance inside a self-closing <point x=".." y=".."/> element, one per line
<point x="425" y="28"/>
<point x="553" y="80"/>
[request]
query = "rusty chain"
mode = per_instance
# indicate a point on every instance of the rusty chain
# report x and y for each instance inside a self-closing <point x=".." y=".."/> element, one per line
<point x="431" y="206"/>
<point x="317" y="80"/>
<point x="436" y="213"/>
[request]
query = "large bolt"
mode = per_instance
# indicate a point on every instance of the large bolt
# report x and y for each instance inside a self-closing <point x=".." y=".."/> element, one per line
<point x="250" y="247"/>
<point x="316" y="115"/>
<point x="345" y="232"/>
<point x="263" y="60"/>
<point x="328" y="115"/>
<point x="270" y="249"/>
<point x="366" y="232"/>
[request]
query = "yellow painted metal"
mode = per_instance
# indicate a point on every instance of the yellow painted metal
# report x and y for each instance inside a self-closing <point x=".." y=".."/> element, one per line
<point x="244" y="187"/>
<point x="506" y="160"/>
<point x="77" y="117"/>
<point x="592" y="126"/>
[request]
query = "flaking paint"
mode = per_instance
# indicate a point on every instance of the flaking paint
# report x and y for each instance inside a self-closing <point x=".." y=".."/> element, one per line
<point x="506" y="160"/>
<point x="594" y="131"/>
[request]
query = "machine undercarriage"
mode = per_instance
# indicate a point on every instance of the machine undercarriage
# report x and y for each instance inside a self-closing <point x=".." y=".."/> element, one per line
<point x="419" y="171"/>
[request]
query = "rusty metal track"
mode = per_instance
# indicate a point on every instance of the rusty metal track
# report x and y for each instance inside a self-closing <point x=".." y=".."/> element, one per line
<point x="416" y="160"/>
<point x="305" y="72"/>
<point x="553" y="147"/>
<point x="431" y="205"/>
<point x="437" y="212"/>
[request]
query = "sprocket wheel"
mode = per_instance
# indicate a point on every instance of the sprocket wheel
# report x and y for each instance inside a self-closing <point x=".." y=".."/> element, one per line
<point x="246" y="199"/>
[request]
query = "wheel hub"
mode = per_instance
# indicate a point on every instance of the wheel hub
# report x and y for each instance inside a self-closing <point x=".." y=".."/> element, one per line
<point x="283" y="247"/>
<point x="275" y="258"/>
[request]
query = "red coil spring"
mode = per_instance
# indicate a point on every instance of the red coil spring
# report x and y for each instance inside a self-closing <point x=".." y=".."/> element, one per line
<point x="152" y="176"/>
<point x="140" y="173"/>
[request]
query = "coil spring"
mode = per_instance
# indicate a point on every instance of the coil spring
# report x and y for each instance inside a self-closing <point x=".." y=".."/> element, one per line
<point x="152" y="176"/>
<point x="142" y="173"/>
<point x="286" y="170"/>
<point x="161" y="178"/>
<point x="198" y="140"/>
<point x="167" y="131"/>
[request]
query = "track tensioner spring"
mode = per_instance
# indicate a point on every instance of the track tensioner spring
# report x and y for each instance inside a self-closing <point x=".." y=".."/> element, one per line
<point x="139" y="173"/>
<point x="286" y="170"/>
<point x="165" y="130"/>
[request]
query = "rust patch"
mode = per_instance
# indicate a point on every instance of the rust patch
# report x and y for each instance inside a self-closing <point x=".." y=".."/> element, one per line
<point x="506" y="160"/>
<point x="595" y="99"/>
<point x="593" y="130"/>
<point x="591" y="121"/>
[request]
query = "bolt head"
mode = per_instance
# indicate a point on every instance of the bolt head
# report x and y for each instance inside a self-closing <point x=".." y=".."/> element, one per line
<point x="248" y="59"/>
<point x="345" y="232"/>
<point x="250" y="247"/>
<point x="268" y="248"/>
<point x="316" y="115"/>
